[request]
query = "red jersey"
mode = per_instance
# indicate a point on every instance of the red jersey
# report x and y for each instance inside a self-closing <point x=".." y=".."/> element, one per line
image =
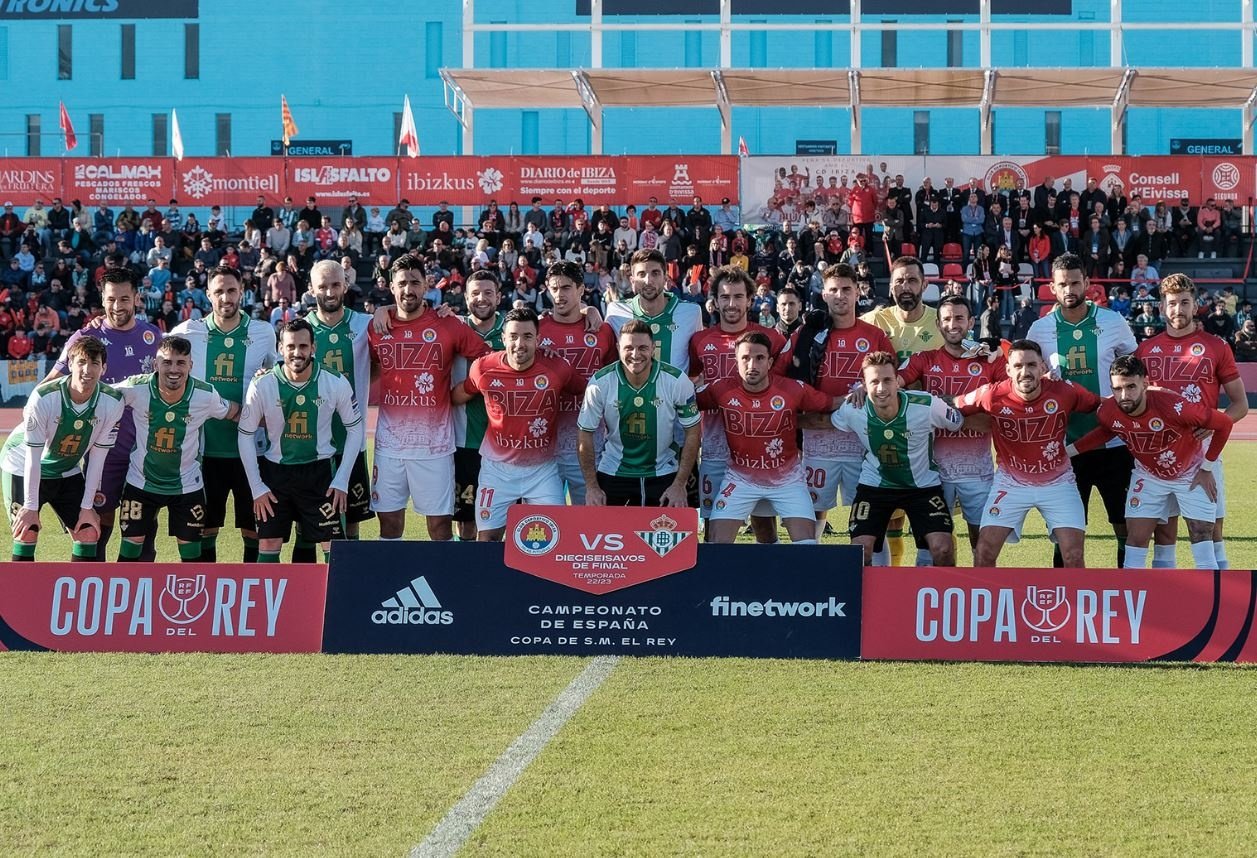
<point x="1195" y="366"/>
<point x="586" y="352"/>
<point x="1162" y="439"/>
<point x="416" y="418"/>
<point x="523" y="406"/>
<point x="839" y="371"/>
<point x="962" y="454"/>
<point x="711" y="351"/>
<point x="1030" y="436"/>
<point x="760" y="427"/>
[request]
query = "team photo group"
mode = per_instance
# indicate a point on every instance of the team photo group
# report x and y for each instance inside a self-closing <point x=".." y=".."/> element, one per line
<point x="900" y="416"/>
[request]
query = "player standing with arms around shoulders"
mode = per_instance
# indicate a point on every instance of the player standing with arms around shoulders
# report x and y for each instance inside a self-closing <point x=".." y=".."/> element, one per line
<point x="672" y="321"/>
<point x="63" y="420"/>
<point x="640" y="401"/>
<point x="299" y="479"/>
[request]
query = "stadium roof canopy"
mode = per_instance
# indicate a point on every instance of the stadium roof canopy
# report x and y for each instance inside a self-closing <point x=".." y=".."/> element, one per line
<point x="595" y="89"/>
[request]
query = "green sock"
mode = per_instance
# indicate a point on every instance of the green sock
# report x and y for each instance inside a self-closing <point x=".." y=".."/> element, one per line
<point x="23" y="551"/>
<point x="189" y="551"/>
<point x="268" y="556"/>
<point x="130" y="550"/>
<point x="250" y="549"/>
<point x="209" y="548"/>
<point x="327" y="556"/>
<point x="83" y="552"/>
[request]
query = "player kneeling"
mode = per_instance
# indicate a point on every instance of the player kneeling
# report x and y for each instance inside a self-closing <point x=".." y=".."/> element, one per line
<point x="896" y="428"/>
<point x="1173" y="473"/>
<point x="295" y="481"/>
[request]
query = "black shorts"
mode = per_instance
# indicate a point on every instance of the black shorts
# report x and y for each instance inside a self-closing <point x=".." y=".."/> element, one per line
<point x="1108" y="471"/>
<point x="466" y="481"/>
<point x="873" y="508"/>
<point x="634" y="491"/>
<point x="63" y="494"/>
<point x="138" y="513"/>
<point x="301" y="496"/>
<point x="225" y="476"/>
<point x="359" y="508"/>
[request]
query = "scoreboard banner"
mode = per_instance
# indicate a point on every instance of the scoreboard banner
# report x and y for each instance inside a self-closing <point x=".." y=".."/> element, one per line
<point x="1054" y="615"/>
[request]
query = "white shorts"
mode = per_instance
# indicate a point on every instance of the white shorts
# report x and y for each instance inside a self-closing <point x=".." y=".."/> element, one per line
<point x="971" y="494"/>
<point x="1150" y="496"/>
<point x="502" y="485"/>
<point x="573" y="479"/>
<point x="738" y="499"/>
<point x="827" y="478"/>
<point x="711" y="477"/>
<point x="1009" y="501"/>
<point x="428" y="482"/>
<point x="1172" y="504"/>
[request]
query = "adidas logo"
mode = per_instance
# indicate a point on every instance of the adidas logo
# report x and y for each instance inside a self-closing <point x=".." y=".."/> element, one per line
<point x="414" y="605"/>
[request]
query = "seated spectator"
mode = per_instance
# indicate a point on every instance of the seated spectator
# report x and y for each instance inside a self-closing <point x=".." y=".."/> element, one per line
<point x="1208" y="230"/>
<point x="1025" y="316"/>
<point x="1220" y="323"/>
<point x="282" y="314"/>
<point x="160" y="274"/>
<point x="1246" y="342"/>
<point x="1244" y="313"/>
<point x="20" y="345"/>
<point x="1120" y="302"/>
<point x="13" y="277"/>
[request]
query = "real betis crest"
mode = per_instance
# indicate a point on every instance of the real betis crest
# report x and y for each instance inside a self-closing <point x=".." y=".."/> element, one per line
<point x="663" y="535"/>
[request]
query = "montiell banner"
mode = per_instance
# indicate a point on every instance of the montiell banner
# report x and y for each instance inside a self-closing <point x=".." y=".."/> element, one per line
<point x="66" y="10"/>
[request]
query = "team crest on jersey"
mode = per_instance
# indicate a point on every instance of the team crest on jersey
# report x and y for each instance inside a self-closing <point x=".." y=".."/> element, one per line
<point x="1197" y="349"/>
<point x="994" y="511"/>
<point x="149" y="338"/>
<point x="1156" y="424"/>
<point x="861" y="345"/>
<point x="541" y="382"/>
<point x="975" y="370"/>
<point x="1050" y="406"/>
<point x="535" y="534"/>
<point x="429" y="336"/>
<point x="1134" y="502"/>
<point x="591" y="340"/>
<point x="777" y="403"/>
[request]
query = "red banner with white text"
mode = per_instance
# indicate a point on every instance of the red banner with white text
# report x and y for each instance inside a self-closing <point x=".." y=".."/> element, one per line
<point x="332" y="181"/>
<point x="117" y="180"/>
<point x="1059" y="615"/>
<point x="24" y="180"/>
<point x="229" y="182"/>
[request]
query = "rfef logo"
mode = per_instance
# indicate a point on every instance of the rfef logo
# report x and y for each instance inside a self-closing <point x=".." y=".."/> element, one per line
<point x="185" y="600"/>
<point x="413" y="605"/>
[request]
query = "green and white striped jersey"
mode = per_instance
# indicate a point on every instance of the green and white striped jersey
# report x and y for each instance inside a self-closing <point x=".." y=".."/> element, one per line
<point x="59" y="433"/>
<point x="298" y="420"/>
<point x="227" y="361"/>
<point x="640" y="421"/>
<point x="344" y="349"/>
<point x="471" y="420"/>
<point x="899" y="452"/>
<point x="166" y="459"/>
<point x="671" y="329"/>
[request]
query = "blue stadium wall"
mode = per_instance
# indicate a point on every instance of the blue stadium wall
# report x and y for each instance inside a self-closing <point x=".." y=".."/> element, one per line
<point x="345" y="68"/>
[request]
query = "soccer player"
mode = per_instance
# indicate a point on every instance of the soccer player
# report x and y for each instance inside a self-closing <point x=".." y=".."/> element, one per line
<point x="1080" y="341"/>
<point x="672" y="321"/>
<point x="1159" y="428"/>
<point x="964" y="455"/>
<point x="484" y="295"/>
<point x="341" y="344"/>
<point x="826" y="352"/>
<point x="299" y="479"/>
<point x="563" y="333"/>
<point x="897" y="430"/>
<point x="170" y="410"/>
<point x="228" y="349"/>
<point x="130" y="347"/>
<point x="712" y="359"/>
<point x="1198" y="366"/>
<point x="1029" y="411"/>
<point x="522" y="389"/>
<point x="414" y="436"/>
<point x="63" y="420"/>
<point x="759" y="412"/>
<point x="639" y="401"/>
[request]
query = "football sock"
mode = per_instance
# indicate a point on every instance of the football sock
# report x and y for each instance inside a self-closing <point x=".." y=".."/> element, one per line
<point x="395" y="539"/>
<point x="250" y="549"/>
<point x="894" y="540"/>
<point x="924" y="557"/>
<point x="268" y="556"/>
<point x="327" y="556"/>
<point x="1163" y="557"/>
<point x="804" y="542"/>
<point x="303" y="552"/>
<point x="1136" y="558"/>
<point x="1219" y="554"/>
<point x="83" y="552"/>
<point x="24" y="551"/>
<point x="209" y="548"/>
<point x="102" y="544"/>
<point x="881" y="558"/>
<point x="1203" y="555"/>
<point x="129" y="550"/>
<point x="1121" y="553"/>
<point x="149" y="553"/>
<point x="190" y="552"/>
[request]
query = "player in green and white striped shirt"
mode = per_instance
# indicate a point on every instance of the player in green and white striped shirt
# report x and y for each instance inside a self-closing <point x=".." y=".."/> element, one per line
<point x="64" y="419"/>
<point x="896" y="428"/>
<point x="170" y="410"/>
<point x="640" y="401"/>
<point x="297" y="482"/>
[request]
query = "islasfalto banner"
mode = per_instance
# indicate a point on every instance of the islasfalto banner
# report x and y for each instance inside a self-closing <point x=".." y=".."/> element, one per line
<point x="68" y="10"/>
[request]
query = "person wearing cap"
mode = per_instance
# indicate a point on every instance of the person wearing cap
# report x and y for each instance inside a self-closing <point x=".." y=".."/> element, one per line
<point x="442" y="214"/>
<point x="727" y="216"/>
<point x="11" y="228"/>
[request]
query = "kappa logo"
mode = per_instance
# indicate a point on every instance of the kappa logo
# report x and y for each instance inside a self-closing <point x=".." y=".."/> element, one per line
<point x="1005" y="411"/>
<point x="1045" y="609"/>
<point x="185" y="600"/>
<point x="710" y="347"/>
<point x="413" y="605"/>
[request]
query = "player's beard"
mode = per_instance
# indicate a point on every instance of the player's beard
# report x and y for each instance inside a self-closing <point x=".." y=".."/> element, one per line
<point x="329" y="304"/>
<point x="734" y="317"/>
<point x="647" y="292"/>
<point x="228" y="313"/>
<point x="481" y="313"/>
<point x="297" y="365"/>
<point x="1028" y="387"/>
<point x="1069" y="301"/>
<point x="1130" y="407"/>
<point x="121" y="318"/>
<point x="907" y="301"/>
<point x="170" y="382"/>
<point x="409" y="302"/>
<point x="1179" y="323"/>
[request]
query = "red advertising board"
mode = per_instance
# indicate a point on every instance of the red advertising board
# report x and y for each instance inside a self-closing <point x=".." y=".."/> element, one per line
<point x="137" y="607"/>
<point x="428" y="181"/>
<point x="1169" y="178"/>
<point x="1059" y="615"/>
<point x="583" y="547"/>
<point x="229" y="181"/>
<point x="680" y="178"/>
<point x="117" y="180"/>
<point x="24" y="180"/>
<point x="333" y="180"/>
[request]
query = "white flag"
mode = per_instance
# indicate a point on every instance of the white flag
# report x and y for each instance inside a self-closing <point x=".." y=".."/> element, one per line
<point x="176" y="139"/>
<point x="409" y="136"/>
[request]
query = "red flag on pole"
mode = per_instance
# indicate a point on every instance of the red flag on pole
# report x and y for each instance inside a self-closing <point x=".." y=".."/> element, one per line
<point x="290" y="127"/>
<point x="67" y="128"/>
<point x="409" y="135"/>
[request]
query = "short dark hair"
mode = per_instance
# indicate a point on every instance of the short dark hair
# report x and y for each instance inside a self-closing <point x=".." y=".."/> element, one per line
<point x="1128" y="365"/>
<point x="90" y="347"/>
<point x="908" y="262"/>
<point x="1068" y="262"/>
<point x="406" y="262"/>
<point x="642" y="257"/>
<point x="224" y="271"/>
<point x="570" y="270"/>
<point x="296" y="326"/>
<point x="635" y="326"/>
<point x="731" y="273"/>
<point x="878" y="359"/>
<point x="483" y="275"/>
<point x="954" y="301"/>
<point x="790" y="292"/>
<point x="175" y="344"/>
<point x="1026" y="346"/>
<point x="754" y="338"/>
<point x="522" y="314"/>
<point x="839" y="271"/>
<point x="116" y="276"/>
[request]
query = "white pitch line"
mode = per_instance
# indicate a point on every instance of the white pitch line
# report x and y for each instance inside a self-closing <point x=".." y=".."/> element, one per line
<point x="470" y="811"/>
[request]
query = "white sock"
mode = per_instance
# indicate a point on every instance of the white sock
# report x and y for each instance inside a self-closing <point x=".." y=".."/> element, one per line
<point x="1163" y="556"/>
<point x="1202" y="554"/>
<point x="390" y="539"/>
<point x="881" y="558"/>
<point x="1136" y="558"/>
<point x="820" y="529"/>
<point x="803" y="542"/>
<point x="1219" y="554"/>
<point x="924" y="557"/>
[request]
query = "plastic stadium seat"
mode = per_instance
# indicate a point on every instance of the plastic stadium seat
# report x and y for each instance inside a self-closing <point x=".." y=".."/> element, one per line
<point x="1046" y="308"/>
<point x="952" y="252"/>
<point x="953" y="271"/>
<point x="907" y="249"/>
<point x="931" y="293"/>
<point x="931" y="270"/>
<point x="1044" y="293"/>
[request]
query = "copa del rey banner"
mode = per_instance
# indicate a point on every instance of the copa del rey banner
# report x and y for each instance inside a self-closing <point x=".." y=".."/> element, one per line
<point x="1054" y="615"/>
<point x="183" y="607"/>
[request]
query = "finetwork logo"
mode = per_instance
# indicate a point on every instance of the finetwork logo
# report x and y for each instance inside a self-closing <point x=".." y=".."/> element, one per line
<point x="413" y="605"/>
<point x="723" y="606"/>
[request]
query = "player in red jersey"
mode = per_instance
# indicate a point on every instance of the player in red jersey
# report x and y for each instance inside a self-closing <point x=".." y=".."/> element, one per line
<point x="759" y="412"/>
<point x="1029" y="412"/>
<point x="963" y="455"/>
<point x="414" y="436"/>
<point x="565" y="333"/>
<point x="826" y="352"/>
<point x="712" y="359"/>
<point x="522" y="391"/>
<point x="1160" y="428"/>
<point x="1197" y="366"/>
